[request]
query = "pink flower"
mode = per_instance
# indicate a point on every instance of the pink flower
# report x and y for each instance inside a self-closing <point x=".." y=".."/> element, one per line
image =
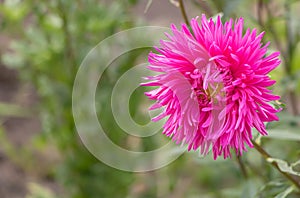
<point x="213" y="85"/>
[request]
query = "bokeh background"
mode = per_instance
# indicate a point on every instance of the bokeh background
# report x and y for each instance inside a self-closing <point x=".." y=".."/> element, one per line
<point x="42" y="44"/>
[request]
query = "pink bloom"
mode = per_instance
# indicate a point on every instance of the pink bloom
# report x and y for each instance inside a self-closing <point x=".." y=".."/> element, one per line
<point x="213" y="85"/>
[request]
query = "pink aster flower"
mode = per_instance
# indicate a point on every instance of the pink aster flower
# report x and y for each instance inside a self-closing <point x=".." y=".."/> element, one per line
<point x="213" y="85"/>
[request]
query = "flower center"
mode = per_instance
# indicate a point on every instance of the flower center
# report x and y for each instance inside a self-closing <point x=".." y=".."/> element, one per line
<point x="214" y="86"/>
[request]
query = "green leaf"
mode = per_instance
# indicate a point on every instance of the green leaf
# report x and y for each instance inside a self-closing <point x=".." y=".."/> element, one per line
<point x="12" y="110"/>
<point x="285" y="193"/>
<point x="295" y="163"/>
<point x="12" y="60"/>
<point x="271" y="188"/>
<point x="250" y="188"/>
<point x="284" y="166"/>
<point x="38" y="191"/>
<point x="284" y="134"/>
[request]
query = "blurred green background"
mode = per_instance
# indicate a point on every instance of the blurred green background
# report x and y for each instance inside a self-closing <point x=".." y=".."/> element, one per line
<point x="42" y="44"/>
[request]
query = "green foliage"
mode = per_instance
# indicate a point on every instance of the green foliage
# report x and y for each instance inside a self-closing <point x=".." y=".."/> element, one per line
<point x="51" y="40"/>
<point x="57" y="36"/>
<point x="11" y="110"/>
<point x="37" y="191"/>
<point x="284" y="166"/>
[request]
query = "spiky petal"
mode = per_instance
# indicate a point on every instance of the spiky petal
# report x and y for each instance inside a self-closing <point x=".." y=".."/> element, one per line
<point x="213" y="85"/>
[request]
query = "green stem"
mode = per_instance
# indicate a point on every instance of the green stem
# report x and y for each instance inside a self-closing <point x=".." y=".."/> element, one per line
<point x="242" y="166"/>
<point x="183" y="12"/>
<point x="274" y="164"/>
<point x="69" y="52"/>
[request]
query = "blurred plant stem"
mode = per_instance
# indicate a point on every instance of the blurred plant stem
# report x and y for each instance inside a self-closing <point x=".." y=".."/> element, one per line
<point x="266" y="156"/>
<point x="242" y="166"/>
<point x="183" y="12"/>
<point x="204" y="6"/>
<point x="288" y="51"/>
<point x="69" y="52"/>
<point x="291" y="46"/>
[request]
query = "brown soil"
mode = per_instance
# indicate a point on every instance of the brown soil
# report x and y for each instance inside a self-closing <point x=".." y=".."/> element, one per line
<point x="17" y="172"/>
